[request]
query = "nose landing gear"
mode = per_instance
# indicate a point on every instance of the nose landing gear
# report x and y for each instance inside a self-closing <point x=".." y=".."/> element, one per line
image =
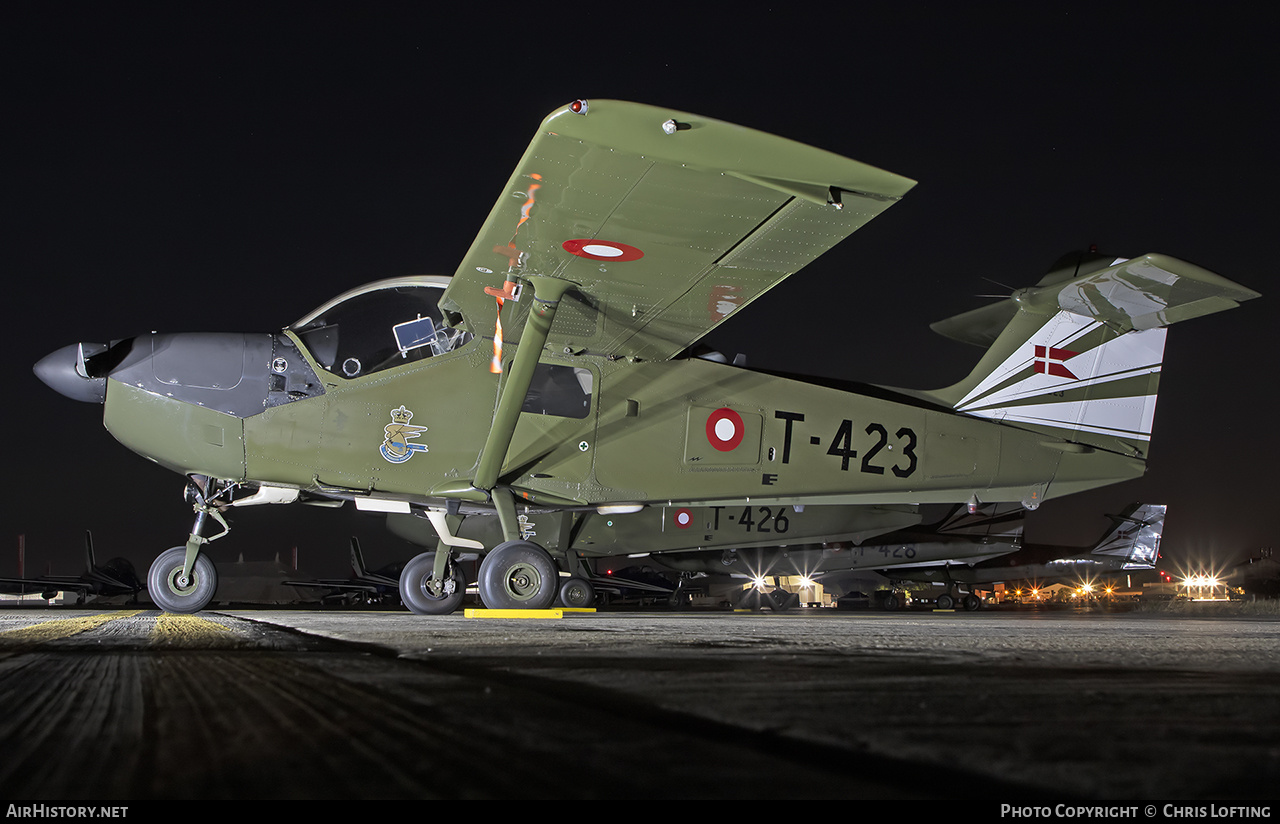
<point x="182" y="579"/>
<point x="174" y="589"/>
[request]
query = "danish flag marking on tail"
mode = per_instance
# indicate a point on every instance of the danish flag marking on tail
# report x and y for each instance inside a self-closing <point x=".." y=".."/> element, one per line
<point x="1050" y="361"/>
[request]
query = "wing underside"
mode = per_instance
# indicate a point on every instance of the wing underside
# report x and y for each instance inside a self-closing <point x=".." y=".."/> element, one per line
<point x="664" y="236"/>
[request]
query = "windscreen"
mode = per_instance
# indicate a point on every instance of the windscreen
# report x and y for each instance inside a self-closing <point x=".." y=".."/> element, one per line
<point x="379" y="329"/>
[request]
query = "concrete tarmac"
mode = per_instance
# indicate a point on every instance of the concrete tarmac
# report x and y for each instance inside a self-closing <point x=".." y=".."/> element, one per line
<point x="1011" y="707"/>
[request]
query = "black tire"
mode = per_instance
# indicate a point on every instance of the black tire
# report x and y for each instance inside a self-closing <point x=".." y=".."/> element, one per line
<point x="419" y="598"/>
<point x="783" y="601"/>
<point x="577" y="593"/>
<point x="518" y="575"/>
<point x="163" y="587"/>
<point x="945" y="602"/>
<point x="972" y="603"/>
<point x="890" y="602"/>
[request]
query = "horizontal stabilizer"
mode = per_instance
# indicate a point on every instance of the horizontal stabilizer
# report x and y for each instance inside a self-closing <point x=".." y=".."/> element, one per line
<point x="1144" y="293"/>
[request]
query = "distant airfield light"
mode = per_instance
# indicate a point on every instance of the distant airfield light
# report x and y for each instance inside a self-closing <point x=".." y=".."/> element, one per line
<point x="758" y="582"/>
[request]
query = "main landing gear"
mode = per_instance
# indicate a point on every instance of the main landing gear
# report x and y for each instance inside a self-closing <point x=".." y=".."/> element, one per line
<point x="518" y="575"/>
<point x="513" y="575"/>
<point x="426" y="590"/>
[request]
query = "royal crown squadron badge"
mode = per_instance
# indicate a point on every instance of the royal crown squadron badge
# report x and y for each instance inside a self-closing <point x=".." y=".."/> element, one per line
<point x="396" y="447"/>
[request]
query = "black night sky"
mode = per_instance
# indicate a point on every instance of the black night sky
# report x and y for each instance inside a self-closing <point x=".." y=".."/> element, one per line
<point x="227" y="167"/>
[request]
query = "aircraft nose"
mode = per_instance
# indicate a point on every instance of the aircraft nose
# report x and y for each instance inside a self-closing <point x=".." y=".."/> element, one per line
<point x="64" y="372"/>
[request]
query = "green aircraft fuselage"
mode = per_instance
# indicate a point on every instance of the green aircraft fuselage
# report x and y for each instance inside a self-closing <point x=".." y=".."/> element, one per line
<point x="649" y="435"/>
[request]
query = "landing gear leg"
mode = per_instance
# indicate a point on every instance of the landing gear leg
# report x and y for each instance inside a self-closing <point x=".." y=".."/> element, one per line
<point x="182" y="579"/>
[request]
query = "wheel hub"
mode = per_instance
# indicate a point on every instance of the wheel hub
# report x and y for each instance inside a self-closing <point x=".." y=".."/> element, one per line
<point x="523" y="582"/>
<point x="180" y="584"/>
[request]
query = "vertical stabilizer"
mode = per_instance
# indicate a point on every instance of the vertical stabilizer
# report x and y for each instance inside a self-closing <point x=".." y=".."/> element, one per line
<point x="1079" y="357"/>
<point x="1135" y="536"/>
<point x="357" y="558"/>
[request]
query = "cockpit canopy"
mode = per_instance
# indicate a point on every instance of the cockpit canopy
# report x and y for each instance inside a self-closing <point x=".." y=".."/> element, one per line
<point x="378" y="326"/>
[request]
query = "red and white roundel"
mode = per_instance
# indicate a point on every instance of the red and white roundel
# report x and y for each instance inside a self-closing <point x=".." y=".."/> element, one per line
<point x="725" y="429"/>
<point x="683" y="518"/>
<point x="596" y="249"/>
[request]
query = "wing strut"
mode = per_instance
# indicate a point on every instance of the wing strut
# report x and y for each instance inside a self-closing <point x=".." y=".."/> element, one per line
<point x="546" y="299"/>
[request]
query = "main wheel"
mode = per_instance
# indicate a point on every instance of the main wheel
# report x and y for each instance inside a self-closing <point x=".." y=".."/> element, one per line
<point x="518" y="575"/>
<point x="577" y="593"/>
<point x="972" y="602"/>
<point x="418" y="596"/>
<point x="783" y="600"/>
<point x="945" y="602"/>
<point x="170" y="593"/>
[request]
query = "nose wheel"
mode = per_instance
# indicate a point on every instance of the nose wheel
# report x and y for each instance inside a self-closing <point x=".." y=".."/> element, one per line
<point x="172" y="591"/>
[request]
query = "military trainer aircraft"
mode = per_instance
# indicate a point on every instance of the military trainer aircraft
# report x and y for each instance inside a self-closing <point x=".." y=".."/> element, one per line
<point x="550" y="372"/>
<point x="364" y="585"/>
<point x="115" y="577"/>
<point x="960" y="535"/>
<point x="1131" y="544"/>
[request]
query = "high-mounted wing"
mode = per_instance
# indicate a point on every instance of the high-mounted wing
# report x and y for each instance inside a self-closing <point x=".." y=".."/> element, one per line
<point x="665" y="223"/>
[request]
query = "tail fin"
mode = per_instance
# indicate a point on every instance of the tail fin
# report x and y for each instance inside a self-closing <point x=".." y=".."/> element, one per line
<point x="1079" y="354"/>
<point x="1135" y="536"/>
<point x="357" y="558"/>
<point x="90" y="562"/>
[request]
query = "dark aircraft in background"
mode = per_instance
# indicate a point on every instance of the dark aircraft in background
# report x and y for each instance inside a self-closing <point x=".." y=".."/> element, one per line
<point x="1258" y="575"/>
<point x="986" y="532"/>
<point x="961" y="549"/>
<point x="381" y="586"/>
<point x="1131" y="544"/>
<point x="116" y="577"/>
